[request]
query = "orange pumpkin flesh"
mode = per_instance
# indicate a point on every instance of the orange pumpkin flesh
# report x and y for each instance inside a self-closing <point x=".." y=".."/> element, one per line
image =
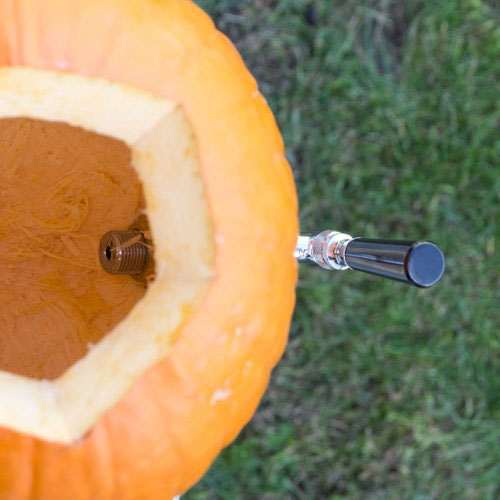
<point x="65" y="190"/>
<point x="145" y="412"/>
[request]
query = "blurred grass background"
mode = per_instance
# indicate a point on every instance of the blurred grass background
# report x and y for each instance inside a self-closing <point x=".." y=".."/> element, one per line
<point x="391" y="118"/>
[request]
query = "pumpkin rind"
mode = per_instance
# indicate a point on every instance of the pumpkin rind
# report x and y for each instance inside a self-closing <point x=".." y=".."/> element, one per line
<point x="161" y="437"/>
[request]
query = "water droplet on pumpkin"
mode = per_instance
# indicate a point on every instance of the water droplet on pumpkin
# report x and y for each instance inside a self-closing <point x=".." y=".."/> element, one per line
<point x="220" y="395"/>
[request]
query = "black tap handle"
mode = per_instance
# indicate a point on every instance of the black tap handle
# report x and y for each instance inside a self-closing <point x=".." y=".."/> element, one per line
<point x="419" y="263"/>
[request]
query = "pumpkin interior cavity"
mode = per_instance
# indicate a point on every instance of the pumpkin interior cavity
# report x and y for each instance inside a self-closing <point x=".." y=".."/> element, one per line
<point x="61" y="189"/>
<point x="74" y="152"/>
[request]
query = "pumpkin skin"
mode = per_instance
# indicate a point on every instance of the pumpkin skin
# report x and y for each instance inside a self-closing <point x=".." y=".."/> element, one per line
<point x="164" y="434"/>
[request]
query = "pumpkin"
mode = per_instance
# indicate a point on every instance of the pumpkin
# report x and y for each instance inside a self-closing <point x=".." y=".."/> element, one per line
<point x="110" y="109"/>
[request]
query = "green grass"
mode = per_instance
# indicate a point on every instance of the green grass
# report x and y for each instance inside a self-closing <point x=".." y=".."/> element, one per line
<point x="390" y="114"/>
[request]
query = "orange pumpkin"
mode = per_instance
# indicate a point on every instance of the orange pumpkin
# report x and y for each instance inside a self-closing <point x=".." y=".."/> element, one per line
<point x="144" y="412"/>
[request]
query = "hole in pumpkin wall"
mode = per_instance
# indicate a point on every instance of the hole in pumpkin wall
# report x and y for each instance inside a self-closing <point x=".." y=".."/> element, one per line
<point x="61" y="189"/>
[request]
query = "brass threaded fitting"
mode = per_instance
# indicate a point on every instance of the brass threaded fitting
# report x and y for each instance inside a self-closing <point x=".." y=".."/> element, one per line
<point x="124" y="252"/>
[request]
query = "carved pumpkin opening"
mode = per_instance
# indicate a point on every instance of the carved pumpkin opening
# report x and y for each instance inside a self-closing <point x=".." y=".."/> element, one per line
<point x="80" y="157"/>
